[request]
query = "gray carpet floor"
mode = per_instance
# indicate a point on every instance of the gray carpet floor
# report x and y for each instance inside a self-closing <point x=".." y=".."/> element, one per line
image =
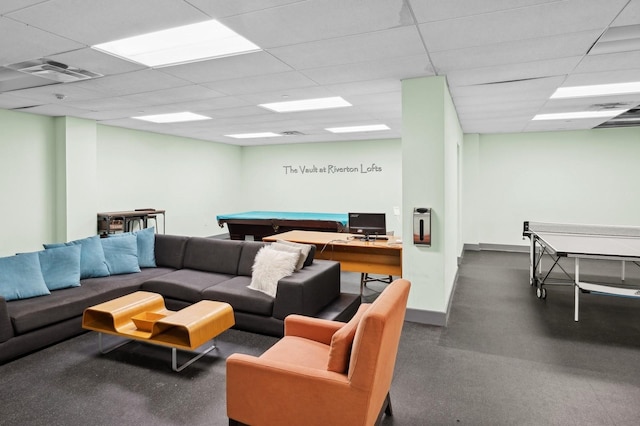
<point x="505" y="358"/>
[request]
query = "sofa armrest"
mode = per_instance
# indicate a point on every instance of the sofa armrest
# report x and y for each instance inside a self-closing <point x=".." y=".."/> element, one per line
<point x="6" y="328"/>
<point x="309" y="290"/>
<point x="319" y="330"/>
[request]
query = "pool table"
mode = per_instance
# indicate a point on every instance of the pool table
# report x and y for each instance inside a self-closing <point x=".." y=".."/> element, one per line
<point x="260" y="224"/>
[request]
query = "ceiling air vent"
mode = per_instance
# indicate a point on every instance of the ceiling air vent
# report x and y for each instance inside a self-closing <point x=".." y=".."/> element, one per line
<point x="291" y="133"/>
<point x="59" y="72"/>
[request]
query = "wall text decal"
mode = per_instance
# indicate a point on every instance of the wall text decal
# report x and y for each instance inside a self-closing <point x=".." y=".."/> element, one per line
<point x="331" y="169"/>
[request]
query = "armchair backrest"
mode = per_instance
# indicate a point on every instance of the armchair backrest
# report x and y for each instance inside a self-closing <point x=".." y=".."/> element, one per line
<point x="375" y="345"/>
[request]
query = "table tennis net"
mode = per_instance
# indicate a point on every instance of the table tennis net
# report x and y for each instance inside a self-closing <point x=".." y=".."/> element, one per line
<point x="582" y="229"/>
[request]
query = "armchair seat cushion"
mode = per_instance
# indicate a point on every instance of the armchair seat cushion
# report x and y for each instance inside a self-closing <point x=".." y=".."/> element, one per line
<point x="299" y="351"/>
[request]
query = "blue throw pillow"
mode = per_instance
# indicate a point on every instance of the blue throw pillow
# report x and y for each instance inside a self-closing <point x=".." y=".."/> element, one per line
<point x="92" y="261"/>
<point x="121" y="254"/>
<point x="61" y="267"/>
<point x="146" y="246"/>
<point x="21" y="277"/>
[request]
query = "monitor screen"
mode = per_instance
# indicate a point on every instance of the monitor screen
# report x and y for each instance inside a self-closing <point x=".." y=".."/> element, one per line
<point x="367" y="223"/>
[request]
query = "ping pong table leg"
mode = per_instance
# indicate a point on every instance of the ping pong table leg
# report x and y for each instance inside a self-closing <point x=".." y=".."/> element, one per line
<point x="577" y="289"/>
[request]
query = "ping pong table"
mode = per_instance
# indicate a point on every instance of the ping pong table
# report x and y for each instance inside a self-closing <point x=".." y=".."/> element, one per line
<point x="602" y="242"/>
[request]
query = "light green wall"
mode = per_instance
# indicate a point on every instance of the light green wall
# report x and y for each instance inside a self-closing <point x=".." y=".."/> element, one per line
<point x="588" y="176"/>
<point x="75" y="178"/>
<point x="192" y="180"/>
<point x="274" y="178"/>
<point x="430" y="135"/>
<point x="27" y="181"/>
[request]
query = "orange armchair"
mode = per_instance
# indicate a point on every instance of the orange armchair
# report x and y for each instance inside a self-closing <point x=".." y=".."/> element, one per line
<point x="322" y="372"/>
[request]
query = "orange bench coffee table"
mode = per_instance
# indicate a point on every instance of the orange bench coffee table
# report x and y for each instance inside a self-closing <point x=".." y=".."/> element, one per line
<point x="143" y="316"/>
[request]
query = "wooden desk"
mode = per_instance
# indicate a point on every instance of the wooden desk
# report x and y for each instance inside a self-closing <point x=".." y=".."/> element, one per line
<point x="367" y="257"/>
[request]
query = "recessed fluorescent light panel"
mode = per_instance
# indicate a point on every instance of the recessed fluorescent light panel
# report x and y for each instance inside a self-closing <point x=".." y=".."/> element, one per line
<point x="188" y="43"/>
<point x="580" y="114"/>
<point x="177" y="117"/>
<point x="254" y="135"/>
<point x="355" y="129"/>
<point x="596" y="90"/>
<point x="307" y="104"/>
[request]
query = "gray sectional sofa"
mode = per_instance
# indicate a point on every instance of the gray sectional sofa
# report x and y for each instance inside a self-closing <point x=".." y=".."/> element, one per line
<point x="188" y="269"/>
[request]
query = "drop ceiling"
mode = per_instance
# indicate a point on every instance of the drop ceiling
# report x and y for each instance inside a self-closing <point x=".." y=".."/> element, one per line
<point x="502" y="59"/>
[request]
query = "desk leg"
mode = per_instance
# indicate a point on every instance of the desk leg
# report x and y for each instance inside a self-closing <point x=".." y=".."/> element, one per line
<point x="577" y="289"/>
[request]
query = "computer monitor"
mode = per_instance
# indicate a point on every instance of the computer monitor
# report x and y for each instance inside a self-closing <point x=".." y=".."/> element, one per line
<point x="368" y="224"/>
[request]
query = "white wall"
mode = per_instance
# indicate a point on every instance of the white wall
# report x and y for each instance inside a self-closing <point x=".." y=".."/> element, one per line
<point x="27" y="181"/>
<point x="192" y="180"/>
<point x="274" y="178"/>
<point x="586" y="176"/>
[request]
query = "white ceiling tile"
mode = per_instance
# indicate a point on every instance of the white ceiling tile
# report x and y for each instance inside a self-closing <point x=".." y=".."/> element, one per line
<point x="222" y="8"/>
<point x="543" y="20"/>
<point x="20" y="42"/>
<point x="366" y="86"/>
<point x="537" y="87"/>
<point x="604" y="77"/>
<point x="515" y="52"/>
<point x="262" y="83"/>
<point x="95" y="61"/>
<point x="248" y="65"/>
<point x="12" y="5"/>
<point x="399" y="68"/>
<point x="174" y="95"/>
<point x="609" y="62"/>
<point x="94" y="21"/>
<point x="561" y="125"/>
<point x="9" y="101"/>
<point x="299" y="22"/>
<point x="512" y="72"/>
<point x="133" y="82"/>
<point x="287" y="95"/>
<point x="71" y="92"/>
<point x="389" y="44"/>
<point x="590" y="103"/>
<point x="438" y="10"/>
<point x="630" y="15"/>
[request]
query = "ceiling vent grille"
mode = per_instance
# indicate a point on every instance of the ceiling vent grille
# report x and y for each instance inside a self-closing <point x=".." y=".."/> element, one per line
<point x="291" y="133"/>
<point x="59" y="72"/>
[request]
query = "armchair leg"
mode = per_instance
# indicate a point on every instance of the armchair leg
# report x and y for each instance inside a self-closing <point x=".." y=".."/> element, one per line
<point x="235" y="423"/>
<point x="385" y="409"/>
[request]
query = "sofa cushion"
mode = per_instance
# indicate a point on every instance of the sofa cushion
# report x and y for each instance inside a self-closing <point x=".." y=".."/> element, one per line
<point x="248" y="256"/>
<point x="342" y="340"/>
<point x="121" y="254"/>
<point x="236" y="293"/>
<point x="31" y="314"/>
<point x="21" y="277"/>
<point x="213" y="255"/>
<point x="169" y="250"/>
<point x="61" y="267"/>
<point x="145" y="242"/>
<point x="269" y="267"/>
<point x="92" y="261"/>
<point x="184" y="284"/>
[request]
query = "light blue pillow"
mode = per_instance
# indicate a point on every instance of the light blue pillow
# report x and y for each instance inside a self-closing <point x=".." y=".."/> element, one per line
<point x="92" y="261"/>
<point x="146" y="246"/>
<point x="121" y="254"/>
<point x="21" y="277"/>
<point x="61" y="266"/>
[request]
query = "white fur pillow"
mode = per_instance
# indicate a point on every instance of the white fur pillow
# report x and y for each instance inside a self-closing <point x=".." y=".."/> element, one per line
<point x="269" y="267"/>
<point x="290" y="249"/>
